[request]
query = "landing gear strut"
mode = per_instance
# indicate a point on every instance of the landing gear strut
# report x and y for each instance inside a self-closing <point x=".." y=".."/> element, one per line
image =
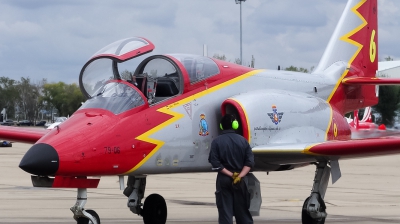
<point x="81" y="215"/>
<point x="314" y="209"/>
<point x="154" y="210"/>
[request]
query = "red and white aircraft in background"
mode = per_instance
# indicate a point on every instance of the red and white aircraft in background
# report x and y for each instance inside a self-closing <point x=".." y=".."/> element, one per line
<point x="366" y="128"/>
<point x="164" y="118"/>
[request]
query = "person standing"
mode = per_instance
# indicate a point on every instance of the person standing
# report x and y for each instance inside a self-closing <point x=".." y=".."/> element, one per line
<point x="231" y="156"/>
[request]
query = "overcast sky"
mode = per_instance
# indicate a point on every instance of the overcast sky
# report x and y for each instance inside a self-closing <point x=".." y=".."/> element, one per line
<point x="53" y="39"/>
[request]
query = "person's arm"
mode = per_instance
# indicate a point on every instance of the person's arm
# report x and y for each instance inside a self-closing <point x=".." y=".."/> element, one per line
<point x="214" y="159"/>
<point x="226" y="172"/>
<point x="244" y="171"/>
<point x="249" y="161"/>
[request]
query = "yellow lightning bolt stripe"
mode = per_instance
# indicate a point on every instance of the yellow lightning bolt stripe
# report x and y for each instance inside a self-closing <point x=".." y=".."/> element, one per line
<point x="177" y="116"/>
<point x="346" y="38"/>
<point x="146" y="136"/>
<point x="247" y="117"/>
<point x="213" y="89"/>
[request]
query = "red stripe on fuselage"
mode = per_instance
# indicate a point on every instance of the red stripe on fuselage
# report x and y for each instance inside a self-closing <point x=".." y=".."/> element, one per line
<point x="97" y="142"/>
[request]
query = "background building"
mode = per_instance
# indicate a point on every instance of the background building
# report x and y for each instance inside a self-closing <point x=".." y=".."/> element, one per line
<point x="389" y="69"/>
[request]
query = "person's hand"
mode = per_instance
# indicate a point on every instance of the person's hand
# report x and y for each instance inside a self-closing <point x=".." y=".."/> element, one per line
<point x="237" y="180"/>
<point x="234" y="175"/>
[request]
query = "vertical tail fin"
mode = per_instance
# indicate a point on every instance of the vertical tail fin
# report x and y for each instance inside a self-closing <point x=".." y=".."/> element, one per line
<point x="353" y="42"/>
<point x="367" y="115"/>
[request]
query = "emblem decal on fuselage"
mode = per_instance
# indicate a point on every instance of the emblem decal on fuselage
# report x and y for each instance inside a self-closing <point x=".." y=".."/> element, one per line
<point x="203" y="125"/>
<point x="275" y="116"/>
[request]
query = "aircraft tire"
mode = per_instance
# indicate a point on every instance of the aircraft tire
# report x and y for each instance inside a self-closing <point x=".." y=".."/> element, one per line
<point x="306" y="218"/>
<point x="154" y="210"/>
<point x="83" y="220"/>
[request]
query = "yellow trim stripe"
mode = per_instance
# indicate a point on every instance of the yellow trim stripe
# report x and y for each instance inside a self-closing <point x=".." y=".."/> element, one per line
<point x="177" y="116"/>
<point x="289" y="150"/>
<point x="307" y="150"/>
<point x="146" y="136"/>
<point x="329" y="123"/>
<point x="346" y="38"/>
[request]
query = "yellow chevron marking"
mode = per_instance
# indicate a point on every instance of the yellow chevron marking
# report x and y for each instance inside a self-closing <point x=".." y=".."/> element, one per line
<point x="177" y="116"/>
<point x="346" y="38"/>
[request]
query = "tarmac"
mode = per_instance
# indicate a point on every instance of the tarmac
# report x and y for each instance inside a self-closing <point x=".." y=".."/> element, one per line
<point x="368" y="192"/>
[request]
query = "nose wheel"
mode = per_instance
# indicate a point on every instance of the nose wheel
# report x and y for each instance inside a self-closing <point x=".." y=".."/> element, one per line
<point x="154" y="210"/>
<point x="83" y="220"/>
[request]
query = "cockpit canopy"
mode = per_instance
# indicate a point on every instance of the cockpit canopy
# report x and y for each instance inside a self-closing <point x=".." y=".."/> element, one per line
<point x="102" y="67"/>
<point x="198" y="67"/>
<point x="104" y="81"/>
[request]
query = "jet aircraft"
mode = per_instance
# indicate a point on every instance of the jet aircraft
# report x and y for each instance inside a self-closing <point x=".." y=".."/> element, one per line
<point x="365" y="128"/>
<point x="163" y="118"/>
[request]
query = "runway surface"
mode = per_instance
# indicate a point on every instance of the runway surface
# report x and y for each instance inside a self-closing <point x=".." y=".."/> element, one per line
<point x="368" y="192"/>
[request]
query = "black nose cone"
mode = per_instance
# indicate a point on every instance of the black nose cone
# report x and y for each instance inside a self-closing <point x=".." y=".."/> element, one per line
<point x="41" y="159"/>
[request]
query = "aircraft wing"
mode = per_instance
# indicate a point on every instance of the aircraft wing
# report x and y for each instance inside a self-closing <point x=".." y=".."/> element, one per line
<point x="18" y="134"/>
<point x="374" y="133"/>
<point x="370" y="81"/>
<point x="332" y="150"/>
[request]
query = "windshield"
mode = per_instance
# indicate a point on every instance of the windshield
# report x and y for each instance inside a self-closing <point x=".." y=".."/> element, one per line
<point x="116" y="97"/>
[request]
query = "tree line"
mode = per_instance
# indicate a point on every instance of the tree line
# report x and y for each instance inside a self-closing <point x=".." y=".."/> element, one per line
<point x="26" y="100"/>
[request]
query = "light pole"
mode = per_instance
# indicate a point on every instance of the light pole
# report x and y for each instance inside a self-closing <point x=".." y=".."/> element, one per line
<point x="240" y="3"/>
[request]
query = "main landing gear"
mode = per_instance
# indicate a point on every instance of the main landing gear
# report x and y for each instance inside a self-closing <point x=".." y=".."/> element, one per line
<point x="314" y="209"/>
<point x="154" y="210"/>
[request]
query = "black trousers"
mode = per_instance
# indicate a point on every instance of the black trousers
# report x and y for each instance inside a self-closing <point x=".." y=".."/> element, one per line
<point x="232" y="200"/>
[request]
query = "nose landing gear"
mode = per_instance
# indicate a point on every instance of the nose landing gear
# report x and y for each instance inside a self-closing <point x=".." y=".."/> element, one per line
<point x="81" y="215"/>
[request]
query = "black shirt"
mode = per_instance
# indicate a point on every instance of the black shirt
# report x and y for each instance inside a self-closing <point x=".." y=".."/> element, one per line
<point x="230" y="151"/>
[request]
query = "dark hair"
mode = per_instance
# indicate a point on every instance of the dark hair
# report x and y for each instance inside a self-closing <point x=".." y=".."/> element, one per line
<point x="226" y="121"/>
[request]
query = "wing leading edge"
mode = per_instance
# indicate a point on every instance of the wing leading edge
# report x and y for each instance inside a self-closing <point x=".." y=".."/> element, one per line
<point x="25" y="135"/>
<point x="330" y="150"/>
<point x="370" y="81"/>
